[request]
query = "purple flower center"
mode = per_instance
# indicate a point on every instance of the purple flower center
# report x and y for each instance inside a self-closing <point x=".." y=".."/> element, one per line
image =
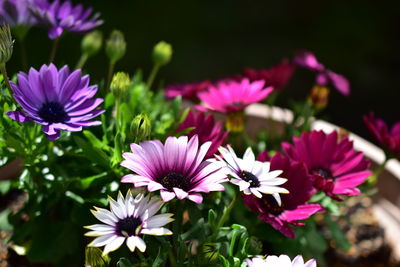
<point x="271" y="205"/>
<point x="323" y="173"/>
<point x="53" y="112"/>
<point x="128" y="226"/>
<point x="250" y="178"/>
<point x="173" y="179"/>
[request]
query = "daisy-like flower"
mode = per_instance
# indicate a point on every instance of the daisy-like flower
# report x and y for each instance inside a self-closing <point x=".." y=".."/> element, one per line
<point x="206" y="129"/>
<point x="336" y="168"/>
<point x="56" y="99"/>
<point x="293" y="208"/>
<point x="281" y="261"/>
<point x="277" y="76"/>
<point x="177" y="168"/>
<point x="232" y="96"/>
<point x="58" y="16"/>
<point x="253" y="176"/>
<point x="16" y="13"/>
<point x="129" y="219"/>
<point x="388" y="138"/>
<point x="186" y="90"/>
<point x="324" y="76"/>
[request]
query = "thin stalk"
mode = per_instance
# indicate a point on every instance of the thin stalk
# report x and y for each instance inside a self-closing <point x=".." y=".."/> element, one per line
<point x="373" y="179"/>
<point x="225" y="216"/>
<point x="109" y="76"/>
<point x="5" y="76"/>
<point x="82" y="61"/>
<point x="54" y="50"/>
<point x="153" y="75"/>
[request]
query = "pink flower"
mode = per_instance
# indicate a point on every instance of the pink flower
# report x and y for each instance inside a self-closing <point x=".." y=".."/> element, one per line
<point x="293" y="206"/>
<point x="277" y="76"/>
<point x="186" y="90"/>
<point x="390" y="139"/>
<point x="230" y="95"/>
<point x="337" y="169"/>
<point x="206" y="129"/>
<point x="324" y="76"/>
<point x="176" y="168"/>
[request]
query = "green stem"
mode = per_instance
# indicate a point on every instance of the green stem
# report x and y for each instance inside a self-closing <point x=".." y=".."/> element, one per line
<point x="171" y="257"/>
<point x="82" y="61"/>
<point x="225" y="216"/>
<point x="177" y="227"/>
<point x="54" y="50"/>
<point x="373" y="179"/>
<point x="152" y="75"/>
<point x="109" y="76"/>
<point x="5" y="76"/>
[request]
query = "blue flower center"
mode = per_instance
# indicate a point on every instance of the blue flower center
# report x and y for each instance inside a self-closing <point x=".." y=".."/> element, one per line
<point x="250" y="178"/>
<point x="128" y="226"/>
<point x="53" y="112"/>
<point x="172" y="179"/>
<point x="322" y="172"/>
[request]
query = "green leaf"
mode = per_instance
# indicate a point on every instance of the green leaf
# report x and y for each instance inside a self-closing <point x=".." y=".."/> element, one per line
<point x="4" y="187"/>
<point x="95" y="141"/>
<point x="109" y="101"/>
<point x="94" y="154"/>
<point x="212" y="218"/>
<point x="75" y="197"/>
<point x="124" y="262"/>
<point x="86" y="182"/>
<point x="4" y="223"/>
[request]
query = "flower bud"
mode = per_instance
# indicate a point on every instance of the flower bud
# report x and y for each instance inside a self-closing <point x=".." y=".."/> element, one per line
<point x="116" y="46"/>
<point x="319" y="96"/>
<point x="120" y="84"/>
<point x="6" y="44"/>
<point x="254" y="246"/>
<point x="141" y="126"/>
<point x="94" y="257"/>
<point x="162" y="53"/>
<point x="91" y="43"/>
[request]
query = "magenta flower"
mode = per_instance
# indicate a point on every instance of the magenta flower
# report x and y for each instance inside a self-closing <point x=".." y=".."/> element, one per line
<point x="56" y="99"/>
<point x="16" y="13"/>
<point x="59" y="16"/>
<point x="337" y="169"/>
<point x="277" y="76"/>
<point x="177" y="168"/>
<point x="186" y="90"/>
<point x="231" y="96"/>
<point x="206" y="129"/>
<point x="324" y="76"/>
<point x="293" y="206"/>
<point x="390" y="139"/>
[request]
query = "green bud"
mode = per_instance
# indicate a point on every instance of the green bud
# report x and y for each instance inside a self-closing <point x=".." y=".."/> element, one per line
<point x="91" y="43"/>
<point x="116" y="46"/>
<point x="254" y="246"/>
<point x="6" y="44"/>
<point x="162" y="53"/>
<point x="120" y="84"/>
<point x="141" y="126"/>
<point x="94" y="257"/>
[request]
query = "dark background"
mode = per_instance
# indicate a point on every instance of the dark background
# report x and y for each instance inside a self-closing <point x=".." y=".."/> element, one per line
<point x="218" y="38"/>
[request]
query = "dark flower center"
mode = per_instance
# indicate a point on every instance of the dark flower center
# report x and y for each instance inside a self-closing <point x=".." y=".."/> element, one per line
<point x="323" y="173"/>
<point x="128" y="226"/>
<point x="172" y="179"/>
<point x="271" y="205"/>
<point x="250" y="178"/>
<point x="53" y="112"/>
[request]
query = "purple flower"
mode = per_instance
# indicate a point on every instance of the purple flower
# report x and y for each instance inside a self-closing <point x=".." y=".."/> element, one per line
<point x="16" y="12"/>
<point x="186" y="90"/>
<point x="324" y="76"/>
<point x="277" y="76"/>
<point x="334" y="165"/>
<point x="231" y="96"/>
<point x="56" y="99"/>
<point x="176" y="169"/>
<point x="59" y="16"/>
<point x="390" y="139"/>
<point x="206" y="129"/>
<point x="293" y="206"/>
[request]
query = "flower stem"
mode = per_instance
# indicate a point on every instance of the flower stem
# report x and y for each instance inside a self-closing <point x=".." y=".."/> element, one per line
<point x="5" y="77"/>
<point x="82" y="61"/>
<point x="54" y="50"/>
<point x="225" y="216"/>
<point x="373" y="179"/>
<point x="152" y="75"/>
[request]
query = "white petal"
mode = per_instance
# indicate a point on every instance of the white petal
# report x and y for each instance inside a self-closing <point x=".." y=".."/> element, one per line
<point x="102" y="240"/>
<point x="255" y="192"/>
<point x="159" y="220"/>
<point x="105" y="216"/>
<point x="118" y="210"/>
<point x="100" y="233"/>
<point x="115" y="244"/>
<point x="130" y="242"/>
<point x="156" y="231"/>
<point x="139" y="243"/>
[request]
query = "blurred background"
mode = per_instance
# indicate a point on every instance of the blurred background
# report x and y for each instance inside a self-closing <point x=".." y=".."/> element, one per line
<point x="218" y="38"/>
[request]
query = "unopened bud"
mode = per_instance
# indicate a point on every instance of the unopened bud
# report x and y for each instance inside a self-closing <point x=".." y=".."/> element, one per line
<point x="319" y="96"/>
<point x="120" y="84"/>
<point x="91" y="43"/>
<point x="6" y="44"/>
<point x="141" y="126"/>
<point x="162" y="53"/>
<point x="116" y="46"/>
<point x="254" y="246"/>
